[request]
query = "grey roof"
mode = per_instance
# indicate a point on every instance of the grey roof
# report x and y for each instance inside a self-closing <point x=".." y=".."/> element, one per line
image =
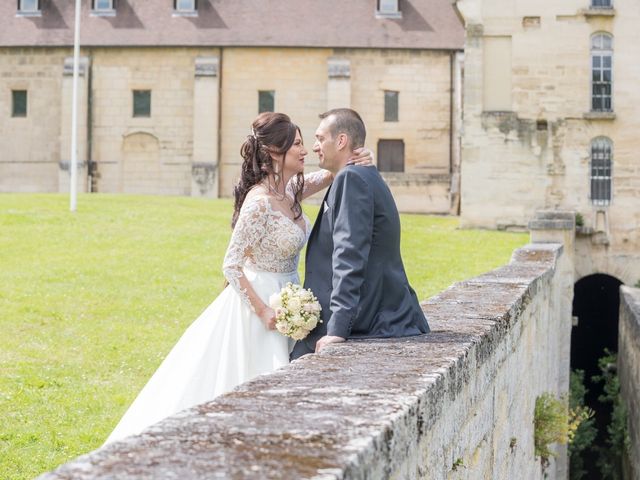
<point x="425" y="24"/>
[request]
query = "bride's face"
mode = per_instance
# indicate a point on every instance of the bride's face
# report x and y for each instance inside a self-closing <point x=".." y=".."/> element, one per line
<point x="294" y="158"/>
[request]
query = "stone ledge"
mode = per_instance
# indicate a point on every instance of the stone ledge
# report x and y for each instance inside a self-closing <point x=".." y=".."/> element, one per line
<point x="629" y="370"/>
<point x="357" y="410"/>
<point x="599" y="116"/>
<point x="630" y="306"/>
<point x="551" y="225"/>
<point x="599" y="12"/>
<point x="553" y="220"/>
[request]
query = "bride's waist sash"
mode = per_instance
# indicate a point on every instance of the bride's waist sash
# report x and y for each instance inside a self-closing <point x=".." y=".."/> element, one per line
<point x="252" y="271"/>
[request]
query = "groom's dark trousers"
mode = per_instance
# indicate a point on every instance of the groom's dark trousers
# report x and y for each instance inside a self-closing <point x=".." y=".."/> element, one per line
<point x="353" y="264"/>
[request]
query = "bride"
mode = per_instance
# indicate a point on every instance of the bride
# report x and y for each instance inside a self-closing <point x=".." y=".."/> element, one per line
<point x="234" y="339"/>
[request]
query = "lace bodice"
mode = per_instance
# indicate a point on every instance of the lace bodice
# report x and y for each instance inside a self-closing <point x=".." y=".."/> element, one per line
<point x="264" y="239"/>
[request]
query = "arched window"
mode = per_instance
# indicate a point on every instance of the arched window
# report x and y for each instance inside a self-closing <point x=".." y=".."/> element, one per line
<point x="601" y="166"/>
<point x="601" y="72"/>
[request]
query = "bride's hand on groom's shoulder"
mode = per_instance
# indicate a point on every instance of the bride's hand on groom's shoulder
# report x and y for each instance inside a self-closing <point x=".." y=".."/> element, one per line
<point x="268" y="317"/>
<point x="363" y="157"/>
<point x="326" y="340"/>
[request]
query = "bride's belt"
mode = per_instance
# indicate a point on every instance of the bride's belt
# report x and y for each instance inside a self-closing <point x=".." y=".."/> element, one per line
<point x="254" y="270"/>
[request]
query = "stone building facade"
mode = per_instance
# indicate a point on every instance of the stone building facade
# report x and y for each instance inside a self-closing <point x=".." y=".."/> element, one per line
<point x="550" y="122"/>
<point x="168" y="90"/>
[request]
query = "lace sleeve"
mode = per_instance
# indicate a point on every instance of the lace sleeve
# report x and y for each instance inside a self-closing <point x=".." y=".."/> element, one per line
<point x="313" y="183"/>
<point x="249" y="230"/>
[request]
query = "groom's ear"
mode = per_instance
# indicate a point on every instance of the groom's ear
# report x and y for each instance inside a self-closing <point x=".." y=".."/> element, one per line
<point x="343" y="141"/>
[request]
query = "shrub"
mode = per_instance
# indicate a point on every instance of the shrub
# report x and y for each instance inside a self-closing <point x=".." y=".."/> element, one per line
<point x="585" y="431"/>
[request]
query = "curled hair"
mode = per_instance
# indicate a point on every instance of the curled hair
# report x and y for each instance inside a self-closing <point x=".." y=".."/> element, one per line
<point x="272" y="133"/>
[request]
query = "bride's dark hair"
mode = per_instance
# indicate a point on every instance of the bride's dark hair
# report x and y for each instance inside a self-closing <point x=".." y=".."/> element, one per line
<point x="271" y="133"/>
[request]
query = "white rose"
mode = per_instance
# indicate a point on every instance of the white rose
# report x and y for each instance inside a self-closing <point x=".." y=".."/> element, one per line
<point x="311" y="322"/>
<point x="299" y="334"/>
<point x="294" y="304"/>
<point x="275" y="301"/>
<point x="280" y="312"/>
<point x="297" y="320"/>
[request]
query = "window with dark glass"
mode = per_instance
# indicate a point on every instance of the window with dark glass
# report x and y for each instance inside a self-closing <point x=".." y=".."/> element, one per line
<point x="390" y="106"/>
<point x="601" y="73"/>
<point x="601" y="166"/>
<point x="601" y="4"/>
<point x="19" y="103"/>
<point x="142" y="103"/>
<point x="391" y="155"/>
<point x="29" y="6"/>
<point x="266" y="101"/>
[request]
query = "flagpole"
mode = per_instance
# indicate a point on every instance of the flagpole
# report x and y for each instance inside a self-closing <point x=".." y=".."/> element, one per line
<point x="73" y="190"/>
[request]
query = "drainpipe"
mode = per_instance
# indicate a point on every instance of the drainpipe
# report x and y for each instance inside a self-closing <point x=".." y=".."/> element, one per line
<point x="92" y="168"/>
<point x="452" y="61"/>
<point x="455" y="151"/>
<point x="219" y="165"/>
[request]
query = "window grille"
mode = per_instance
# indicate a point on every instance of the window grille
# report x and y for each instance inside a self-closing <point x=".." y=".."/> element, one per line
<point x="390" y="106"/>
<point x="142" y="103"/>
<point x="19" y="103"/>
<point x="601" y="166"/>
<point x="601" y="73"/>
<point x="601" y="4"/>
<point x="266" y="101"/>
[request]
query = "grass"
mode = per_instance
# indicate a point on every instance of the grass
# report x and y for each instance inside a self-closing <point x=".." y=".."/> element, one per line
<point x="91" y="302"/>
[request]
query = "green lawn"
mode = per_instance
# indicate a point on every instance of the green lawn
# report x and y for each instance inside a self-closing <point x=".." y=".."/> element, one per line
<point x="91" y="302"/>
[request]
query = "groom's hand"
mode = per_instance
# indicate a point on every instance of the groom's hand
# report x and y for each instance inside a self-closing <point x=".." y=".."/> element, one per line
<point x="326" y="340"/>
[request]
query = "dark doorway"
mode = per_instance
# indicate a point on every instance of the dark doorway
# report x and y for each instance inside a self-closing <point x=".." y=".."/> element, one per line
<point x="596" y="302"/>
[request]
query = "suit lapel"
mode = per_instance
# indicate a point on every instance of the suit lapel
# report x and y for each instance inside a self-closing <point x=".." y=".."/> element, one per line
<point x="316" y="225"/>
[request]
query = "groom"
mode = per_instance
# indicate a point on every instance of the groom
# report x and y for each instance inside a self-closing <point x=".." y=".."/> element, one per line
<point x="353" y="262"/>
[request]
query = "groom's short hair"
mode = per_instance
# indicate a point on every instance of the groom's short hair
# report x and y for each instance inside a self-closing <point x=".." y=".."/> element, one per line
<point x="349" y="122"/>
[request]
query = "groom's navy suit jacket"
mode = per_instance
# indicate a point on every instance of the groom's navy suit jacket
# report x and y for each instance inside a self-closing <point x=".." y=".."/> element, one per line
<point x="353" y="264"/>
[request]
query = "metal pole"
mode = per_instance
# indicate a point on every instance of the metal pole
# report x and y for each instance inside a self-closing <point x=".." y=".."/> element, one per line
<point x="73" y="191"/>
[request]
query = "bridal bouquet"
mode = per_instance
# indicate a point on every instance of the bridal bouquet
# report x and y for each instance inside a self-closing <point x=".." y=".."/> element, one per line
<point x="297" y="311"/>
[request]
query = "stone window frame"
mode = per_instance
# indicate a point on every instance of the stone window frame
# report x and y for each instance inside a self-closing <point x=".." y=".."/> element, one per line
<point x="601" y="51"/>
<point x="34" y="11"/>
<point x="391" y="106"/>
<point x="14" y="111"/>
<point x="185" y="11"/>
<point x="98" y="10"/>
<point x="601" y="171"/>
<point x="263" y="100"/>
<point x="137" y="97"/>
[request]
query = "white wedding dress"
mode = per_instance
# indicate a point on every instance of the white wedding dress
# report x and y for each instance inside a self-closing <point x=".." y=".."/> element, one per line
<point x="227" y="344"/>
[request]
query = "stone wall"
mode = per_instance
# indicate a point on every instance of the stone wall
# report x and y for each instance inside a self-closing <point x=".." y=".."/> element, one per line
<point x="154" y="154"/>
<point x="629" y="368"/>
<point x="304" y="87"/>
<point x="457" y="403"/>
<point x="535" y="152"/>
<point x="203" y="101"/>
<point x="30" y="151"/>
